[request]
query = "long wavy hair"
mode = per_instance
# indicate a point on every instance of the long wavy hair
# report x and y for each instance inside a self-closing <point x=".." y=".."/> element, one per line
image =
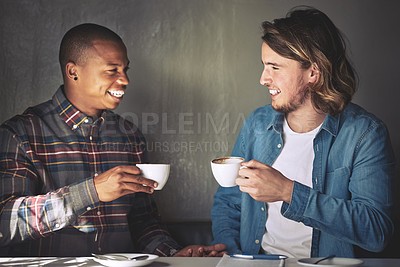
<point x="308" y="36"/>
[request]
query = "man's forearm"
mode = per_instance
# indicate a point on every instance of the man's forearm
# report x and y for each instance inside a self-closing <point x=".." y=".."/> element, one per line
<point x="33" y="217"/>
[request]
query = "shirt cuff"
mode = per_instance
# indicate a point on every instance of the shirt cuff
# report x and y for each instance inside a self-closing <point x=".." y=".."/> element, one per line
<point x="84" y="196"/>
<point x="164" y="247"/>
<point x="295" y="210"/>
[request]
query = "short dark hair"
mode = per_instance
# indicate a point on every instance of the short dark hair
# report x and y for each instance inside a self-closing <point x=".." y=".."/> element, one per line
<point x="308" y="36"/>
<point x="78" y="39"/>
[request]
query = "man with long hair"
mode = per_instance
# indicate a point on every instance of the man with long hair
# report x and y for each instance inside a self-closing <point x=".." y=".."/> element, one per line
<point x="319" y="169"/>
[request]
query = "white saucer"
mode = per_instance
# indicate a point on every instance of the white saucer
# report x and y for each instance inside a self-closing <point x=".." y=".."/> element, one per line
<point x="128" y="263"/>
<point x="334" y="262"/>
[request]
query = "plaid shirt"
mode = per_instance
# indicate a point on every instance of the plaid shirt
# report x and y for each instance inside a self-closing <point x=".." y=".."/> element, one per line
<point x="48" y="202"/>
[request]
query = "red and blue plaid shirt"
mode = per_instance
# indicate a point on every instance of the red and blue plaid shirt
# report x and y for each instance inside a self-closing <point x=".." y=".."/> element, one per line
<point x="48" y="202"/>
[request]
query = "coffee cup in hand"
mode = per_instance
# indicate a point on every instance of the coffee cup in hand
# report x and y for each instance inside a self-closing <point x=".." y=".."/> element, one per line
<point x="155" y="172"/>
<point x="226" y="170"/>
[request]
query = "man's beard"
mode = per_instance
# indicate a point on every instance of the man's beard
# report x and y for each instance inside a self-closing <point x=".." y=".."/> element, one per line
<point x="299" y="100"/>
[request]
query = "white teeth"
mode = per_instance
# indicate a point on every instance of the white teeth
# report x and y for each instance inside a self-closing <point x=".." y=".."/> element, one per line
<point x="274" y="92"/>
<point x="118" y="93"/>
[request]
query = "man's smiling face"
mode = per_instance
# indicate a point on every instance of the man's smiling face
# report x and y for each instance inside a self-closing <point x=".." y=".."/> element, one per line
<point x="287" y="82"/>
<point x="102" y="78"/>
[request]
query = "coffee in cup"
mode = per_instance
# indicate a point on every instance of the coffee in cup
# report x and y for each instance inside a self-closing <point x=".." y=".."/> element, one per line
<point x="226" y="170"/>
<point x="155" y="172"/>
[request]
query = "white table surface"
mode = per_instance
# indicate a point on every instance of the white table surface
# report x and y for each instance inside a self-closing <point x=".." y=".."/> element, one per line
<point x="164" y="262"/>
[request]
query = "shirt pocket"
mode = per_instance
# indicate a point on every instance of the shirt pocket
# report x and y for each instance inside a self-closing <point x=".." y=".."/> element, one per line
<point x="337" y="183"/>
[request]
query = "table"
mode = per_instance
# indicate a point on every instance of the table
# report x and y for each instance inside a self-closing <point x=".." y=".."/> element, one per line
<point x="162" y="262"/>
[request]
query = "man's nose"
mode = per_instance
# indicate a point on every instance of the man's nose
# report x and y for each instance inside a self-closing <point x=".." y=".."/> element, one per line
<point x="265" y="79"/>
<point x="123" y="79"/>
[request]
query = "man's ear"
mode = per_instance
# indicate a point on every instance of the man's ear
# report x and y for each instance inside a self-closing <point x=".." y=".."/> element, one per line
<point x="314" y="73"/>
<point x="71" y="72"/>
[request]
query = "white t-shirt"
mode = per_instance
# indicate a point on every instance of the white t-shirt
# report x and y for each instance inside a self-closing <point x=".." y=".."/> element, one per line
<point x="284" y="236"/>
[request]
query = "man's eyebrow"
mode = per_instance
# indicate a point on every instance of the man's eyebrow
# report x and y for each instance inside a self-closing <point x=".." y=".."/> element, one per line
<point x="116" y="64"/>
<point x="271" y="64"/>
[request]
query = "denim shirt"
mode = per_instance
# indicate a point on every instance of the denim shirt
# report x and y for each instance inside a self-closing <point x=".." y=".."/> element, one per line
<point x="351" y="199"/>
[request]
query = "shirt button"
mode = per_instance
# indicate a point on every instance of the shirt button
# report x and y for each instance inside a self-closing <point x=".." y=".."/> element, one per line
<point x="75" y="126"/>
<point x="96" y="174"/>
<point x="257" y="241"/>
<point x="88" y="208"/>
<point x="279" y="145"/>
<point x="86" y="120"/>
<point x="91" y="138"/>
<point x="57" y="225"/>
<point x="99" y="213"/>
<point x="262" y="208"/>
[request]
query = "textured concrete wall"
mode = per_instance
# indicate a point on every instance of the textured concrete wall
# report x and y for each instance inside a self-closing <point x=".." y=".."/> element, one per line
<point x="195" y="67"/>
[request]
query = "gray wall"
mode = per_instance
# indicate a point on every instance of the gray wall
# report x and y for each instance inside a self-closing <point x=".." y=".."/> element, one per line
<point x="195" y="69"/>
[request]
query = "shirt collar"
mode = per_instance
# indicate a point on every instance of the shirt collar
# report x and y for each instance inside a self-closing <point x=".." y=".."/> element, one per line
<point x="277" y="121"/>
<point x="72" y="116"/>
<point x="331" y="124"/>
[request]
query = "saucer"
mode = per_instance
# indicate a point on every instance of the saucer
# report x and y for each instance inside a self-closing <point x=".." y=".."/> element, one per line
<point x="127" y="263"/>
<point x="334" y="262"/>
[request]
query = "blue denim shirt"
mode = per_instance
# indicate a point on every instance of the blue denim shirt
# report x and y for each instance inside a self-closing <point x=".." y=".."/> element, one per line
<point x="350" y="202"/>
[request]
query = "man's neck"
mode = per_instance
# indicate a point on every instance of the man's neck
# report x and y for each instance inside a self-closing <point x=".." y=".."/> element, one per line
<point x="305" y="121"/>
<point x="93" y="113"/>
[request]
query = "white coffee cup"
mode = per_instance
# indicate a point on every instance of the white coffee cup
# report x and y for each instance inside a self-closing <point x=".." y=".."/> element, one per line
<point x="226" y="170"/>
<point x="155" y="172"/>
